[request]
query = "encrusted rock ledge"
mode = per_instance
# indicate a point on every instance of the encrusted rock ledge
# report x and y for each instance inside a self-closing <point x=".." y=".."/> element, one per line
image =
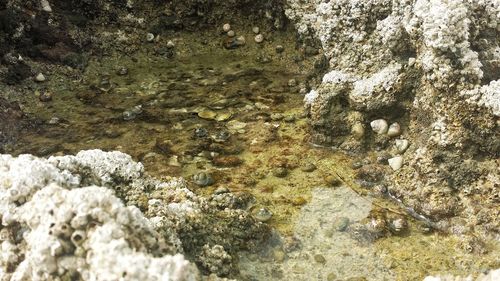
<point x="76" y="217"/>
<point x="413" y="87"/>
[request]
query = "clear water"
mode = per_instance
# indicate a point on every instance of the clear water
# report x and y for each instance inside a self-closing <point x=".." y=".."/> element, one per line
<point x="315" y="221"/>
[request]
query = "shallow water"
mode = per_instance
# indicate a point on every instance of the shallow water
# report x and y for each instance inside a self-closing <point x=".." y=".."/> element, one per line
<point x="152" y="113"/>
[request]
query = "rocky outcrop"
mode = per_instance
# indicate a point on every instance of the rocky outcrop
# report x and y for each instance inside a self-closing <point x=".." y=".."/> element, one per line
<point x="77" y="217"/>
<point x="432" y="67"/>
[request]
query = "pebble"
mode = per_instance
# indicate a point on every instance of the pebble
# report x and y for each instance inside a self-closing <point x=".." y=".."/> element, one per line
<point x="292" y="83"/>
<point x="280" y="172"/>
<point x="207" y="114"/>
<point x="203" y="179"/>
<point x="221" y="190"/>
<point x="231" y="33"/>
<point x="54" y="121"/>
<point x="319" y="259"/>
<point x="256" y="29"/>
<point x="235" y="125"/>
<point x="279" y="255"/>
<point x="259" y="38"/>
<point x="394" y="130"/>
<point x="170" y="44"/>
<point x="221" y="136"/>
<point x="40" y="77"/>
<point x="200" y="133"/>
<point x="379" y="126"/>
<point x="280" y="49"/>
<point x="240" y="41"/>
<point x="122" y="71"/>
<point x="396" y="162"/>
<point x="402" y="145"/>
<point x="332" y="180"/>
<point x="150" y="37"/>
<point x="263" y="215"/>
<point x="299" y="201"/>
<point x="341" y="224"/>
<point x="132" y="113"/>
<point x="308" y="167"/>
<point x="226" y="27"/>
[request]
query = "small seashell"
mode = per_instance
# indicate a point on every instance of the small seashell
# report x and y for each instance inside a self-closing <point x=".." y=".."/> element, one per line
<point x="402" y="145"/>
<point x="259" y="38"/>
<point x="226" y="27"/>
<point x="203" y="179"/>
<point x="170" y="44"/>
<point x="40" y="77"/>
<point x="256" y="29"/>
<point x="396" y="162"/>
<point x="231" y="33"/>
<point x="263" y="215"/>
<point x="78" y="237"/>
<point x="150" y="37"/>
<point x="223" y="116"/>
<point x="394" y="130"/>
<point x="240" y="41"/>
<point x="207" y="114"/>
<point x="379" y="126"/>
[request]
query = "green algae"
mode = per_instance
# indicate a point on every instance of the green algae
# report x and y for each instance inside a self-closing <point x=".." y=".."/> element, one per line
<point x="173" y="91"/>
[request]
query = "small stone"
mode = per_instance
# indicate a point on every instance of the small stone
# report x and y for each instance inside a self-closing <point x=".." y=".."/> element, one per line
<point x="341" y="224"/>
<point x="299" y="201"/>
<point x="256" y="29"/>
<point x="122" y="71"/>
<point x="308" y="167"/>
<point x="45" y="96"/>
<point x="240" y="41"/>
<point x="170" y="44"/>
<point x="356" y="164"/>
<point x="235" y="125"/>
<point x="259" y="38"/>
<point x="402" y="145"/>
<point x="231" y="33"/>
<point x="40" y="77"/>
<point x="358" y="131"/>
<point x="319" y="259"/>
<point x="54" y="121"/>
<point x="203" y="179"/>
<point x="332" y="180"/>
<point x="221" y="190"/>
<point x="150" y="37"/>
<point x="396" y="162"/>
<point x="280" y="49"/>
<point x="379" y="126"/>
<point x="263" y="215"/>
<point x="292" y="83"/>
<point x="280" y="172"/>
<point x="394" y="130"/>
<point x="331" y="277"/>
<point x="200" y="133"/>
<point x="207" y="114"/>
<point x="226" y="27"/>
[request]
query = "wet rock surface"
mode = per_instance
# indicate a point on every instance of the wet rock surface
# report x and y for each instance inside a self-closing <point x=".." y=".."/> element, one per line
<point x="212" y="92"/>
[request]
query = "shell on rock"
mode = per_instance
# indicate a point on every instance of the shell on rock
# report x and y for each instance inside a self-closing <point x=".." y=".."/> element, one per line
<point x="263" y="215"/>
<point x="394" y="130"/>
<point x="203" y="179"/>
<point x="396" y="162"/>
<point x="259" y="38"/>
<point x="401" y="145"/>
<point x="379" y="126"/>
<point x="207" y="114"/>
